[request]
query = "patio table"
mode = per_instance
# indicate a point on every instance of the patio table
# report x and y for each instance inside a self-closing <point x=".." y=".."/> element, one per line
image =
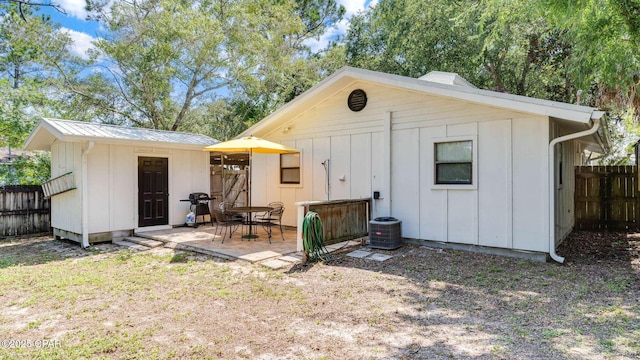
<point x="248" y="210"/>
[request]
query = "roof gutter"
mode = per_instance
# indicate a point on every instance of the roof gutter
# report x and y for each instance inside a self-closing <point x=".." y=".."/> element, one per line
<point x="85" y="195"/>
<point x="595" y="116"/>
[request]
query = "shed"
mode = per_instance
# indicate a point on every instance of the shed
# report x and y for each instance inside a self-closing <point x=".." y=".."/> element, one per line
<point x="119" y="179"/>
<point x="460" y="166"/>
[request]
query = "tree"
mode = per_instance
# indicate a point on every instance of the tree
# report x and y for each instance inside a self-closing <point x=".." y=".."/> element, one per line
<point x="23" y="6"/>
<point x="28" y="45"/>
<point x="25" y="50"/>
<point x="605" y="61"/>
<point x="26" y="170"/>
<point x="161" y="61"/>
<point x="411" y="38"/>
<point x="286" y="66"/>
<point x="504" y="46"/>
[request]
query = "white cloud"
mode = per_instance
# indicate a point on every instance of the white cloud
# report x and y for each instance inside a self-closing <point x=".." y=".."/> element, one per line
<point x="81" y="42"/>
<point x="75" y="8"/>
<point x="352" y="7"/>
<point x="332" y="33"/>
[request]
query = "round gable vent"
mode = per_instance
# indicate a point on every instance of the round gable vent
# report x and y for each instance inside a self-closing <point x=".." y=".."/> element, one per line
<point x="357" y="100"/>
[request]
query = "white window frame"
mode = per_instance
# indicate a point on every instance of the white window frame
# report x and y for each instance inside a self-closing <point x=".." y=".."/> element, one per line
<point x="474" y="163"/>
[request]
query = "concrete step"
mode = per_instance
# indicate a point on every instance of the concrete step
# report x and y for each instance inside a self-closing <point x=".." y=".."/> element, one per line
<point x="144" y="241"/>
<point x="130" y="245"/>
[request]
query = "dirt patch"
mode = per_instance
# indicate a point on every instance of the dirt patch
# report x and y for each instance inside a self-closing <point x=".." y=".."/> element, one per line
<point x="422" y="303"/>
<point x="612" y="247"/>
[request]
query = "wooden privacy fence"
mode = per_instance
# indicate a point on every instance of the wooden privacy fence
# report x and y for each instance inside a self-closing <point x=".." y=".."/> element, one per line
<point x="606" y="197"/>
<point x="23" y="210"/>
<point x="342" y="219"/>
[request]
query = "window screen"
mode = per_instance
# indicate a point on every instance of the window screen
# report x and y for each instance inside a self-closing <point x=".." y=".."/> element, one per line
<point x="453" y="161"/>
<point x="290" y="168"/>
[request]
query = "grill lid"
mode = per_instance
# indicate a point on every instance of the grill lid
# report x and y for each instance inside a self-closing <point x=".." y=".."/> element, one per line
<point x="197" y="197"/>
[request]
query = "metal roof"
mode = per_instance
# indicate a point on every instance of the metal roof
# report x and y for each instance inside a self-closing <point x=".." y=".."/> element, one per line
<point x="68" y="130"/>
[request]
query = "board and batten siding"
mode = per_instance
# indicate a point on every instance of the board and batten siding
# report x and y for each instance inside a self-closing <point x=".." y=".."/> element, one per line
<point x="507" y="208"/>
<point x="66" y="208"/>
<point x="112" y="176"/>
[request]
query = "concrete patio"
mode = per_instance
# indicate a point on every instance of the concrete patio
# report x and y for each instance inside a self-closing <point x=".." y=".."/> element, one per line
<point x="204" y="239"/>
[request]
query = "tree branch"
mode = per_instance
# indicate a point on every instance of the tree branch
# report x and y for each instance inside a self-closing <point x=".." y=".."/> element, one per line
<point x="22" y="3"/>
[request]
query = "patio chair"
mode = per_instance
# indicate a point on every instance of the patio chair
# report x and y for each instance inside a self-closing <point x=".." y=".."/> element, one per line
<point x="225" y="222"/>
<point x="271" y="219"/>
<point x="274" y="205"/>
<point x="228" y="205"/>
<point x="262" y="216"/>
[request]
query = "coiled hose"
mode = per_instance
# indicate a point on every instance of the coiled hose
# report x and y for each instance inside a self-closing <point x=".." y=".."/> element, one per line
<point x="313" y="238"/>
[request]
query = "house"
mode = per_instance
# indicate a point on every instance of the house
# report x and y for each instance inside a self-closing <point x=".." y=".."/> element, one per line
<point x="459" y="166"/>
<point x="110" y="180"/>
<point x="7" y="155"/>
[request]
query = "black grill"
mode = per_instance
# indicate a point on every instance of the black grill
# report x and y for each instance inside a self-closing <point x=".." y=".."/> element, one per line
<point x="198" y="198"/>
<point x="200" y="204"/>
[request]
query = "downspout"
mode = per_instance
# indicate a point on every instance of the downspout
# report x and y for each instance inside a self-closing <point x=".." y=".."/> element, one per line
<point x="85" y="196"/>
<point x="552" y="181"/>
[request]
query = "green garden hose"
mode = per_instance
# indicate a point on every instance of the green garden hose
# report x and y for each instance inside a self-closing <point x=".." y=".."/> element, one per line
<point x="313" y="237"/>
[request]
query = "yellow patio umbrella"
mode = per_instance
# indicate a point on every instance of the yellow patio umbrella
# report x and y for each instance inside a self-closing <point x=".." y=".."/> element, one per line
<point x="250" y="144"/>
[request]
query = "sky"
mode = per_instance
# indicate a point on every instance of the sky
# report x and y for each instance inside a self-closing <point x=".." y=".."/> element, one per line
<point x="83" y="32"/>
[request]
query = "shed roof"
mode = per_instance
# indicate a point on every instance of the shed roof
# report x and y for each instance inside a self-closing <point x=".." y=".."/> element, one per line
<point x="49" y="130"/>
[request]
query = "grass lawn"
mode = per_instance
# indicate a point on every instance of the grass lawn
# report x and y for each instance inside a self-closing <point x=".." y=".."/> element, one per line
<point x="58" y="301"/>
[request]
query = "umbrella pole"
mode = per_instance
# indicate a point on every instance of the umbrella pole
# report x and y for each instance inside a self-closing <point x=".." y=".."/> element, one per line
<point x="250" y="173"/>
<point x="249" y="219"/>
<point x="224" y="182"/>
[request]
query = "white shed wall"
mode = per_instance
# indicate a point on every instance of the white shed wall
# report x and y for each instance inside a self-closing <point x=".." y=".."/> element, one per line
<point x="66" y="208"/>
<point x="507" y="208"/>
<point x="112" y="172"/>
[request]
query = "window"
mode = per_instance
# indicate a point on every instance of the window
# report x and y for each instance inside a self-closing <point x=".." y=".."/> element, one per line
<point x="454" y="162"/>
<point x="290" y="168"/>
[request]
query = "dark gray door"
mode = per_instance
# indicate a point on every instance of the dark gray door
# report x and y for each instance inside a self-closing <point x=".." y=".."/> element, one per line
<point x="153" y="191"/>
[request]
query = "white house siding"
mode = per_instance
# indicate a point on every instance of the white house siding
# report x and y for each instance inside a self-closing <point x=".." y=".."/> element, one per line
<point x="569" y="152"/>
<point x="188" y="173"/>
<point x="341" y="166"/>
<point x="99" y="166"/>
<point x="405" y="180"/>
<point x="121" y="193"/>
<point x="495" y="195"/>
<point x="320" y="149"/>
<point x="507" y="208"/>
<point x="530" y="184"/>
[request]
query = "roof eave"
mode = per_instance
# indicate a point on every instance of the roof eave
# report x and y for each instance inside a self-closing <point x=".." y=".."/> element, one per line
<point x="45" y="134"/>
<point x="34" y="141"/>
<point x="577" y="113"/>
<point x="139" y="143"/>
<point x="603" y="134"/>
